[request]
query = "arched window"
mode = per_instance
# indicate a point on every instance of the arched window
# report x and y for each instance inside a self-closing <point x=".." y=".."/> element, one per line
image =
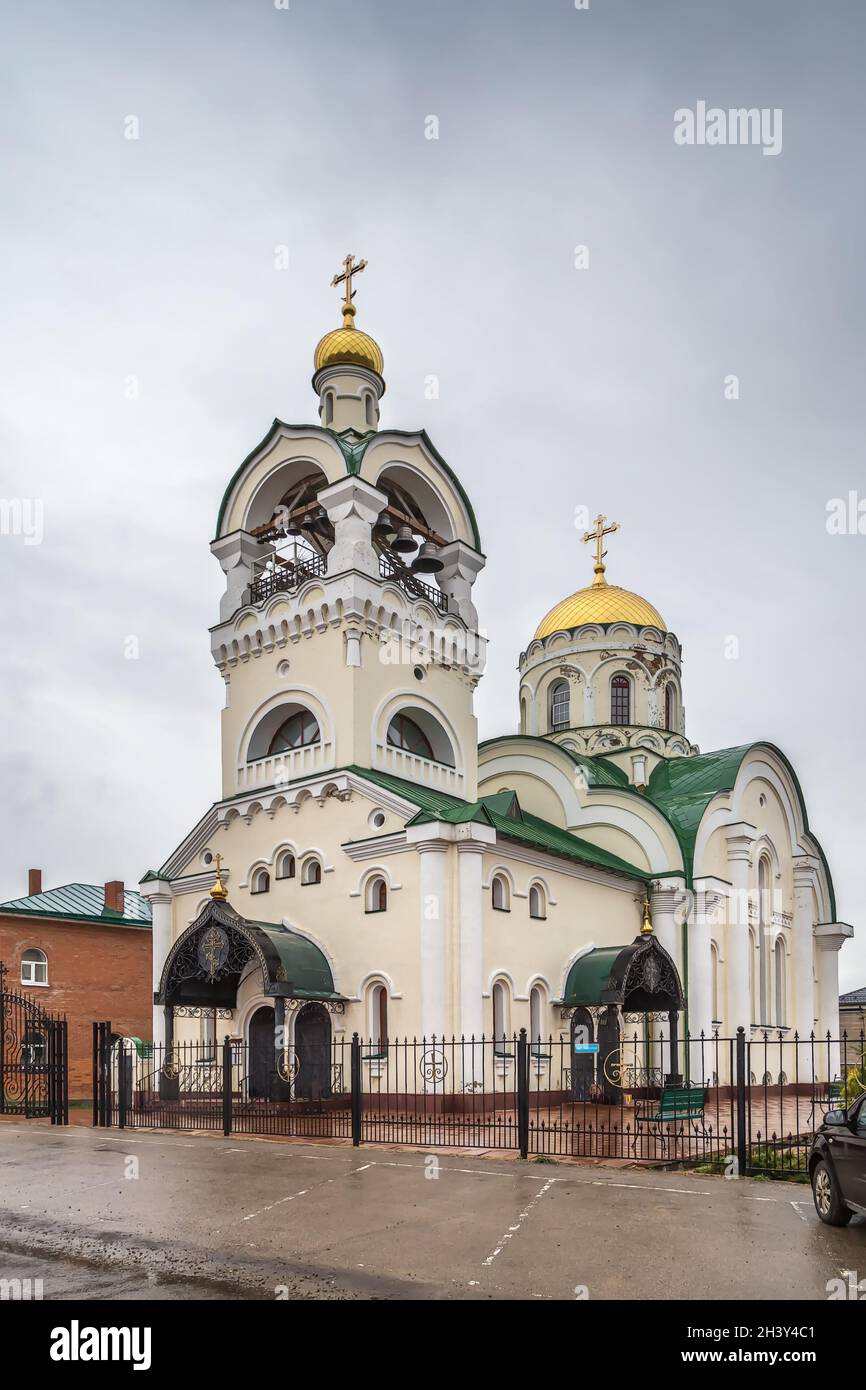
<point x="369" y="410"/>
<point x="329" y="407"/>
<point x="714" y="981"/>
<point x="261" y="881"/>
<point x="377" y="894"/>
<point x="500" y="1016"/>
<point x="311" y="872"/>
<point x="286" y="865"/>
<point x="620" y="700"/>
<point x="298" y="731"/>
<point x="559" y="706"/>
<point x="404" y="733"/>
<point x="379" y="1017"/>
<point x="34" y="968"/>
<point x="781" y="983"/>
<point x="536" y="1018"/>
<point x="537" y="902"/>
<point x="670" y="706"/>
<point x="499" y="893"/>
<point x="753" y="992"/>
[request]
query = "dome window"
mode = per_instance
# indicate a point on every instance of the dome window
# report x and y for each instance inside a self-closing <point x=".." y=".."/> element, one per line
<point x="670" y="707"/>
<point x="620" y="700"/>
<point x="560" y="706"/>
<point x="298" y="731"/>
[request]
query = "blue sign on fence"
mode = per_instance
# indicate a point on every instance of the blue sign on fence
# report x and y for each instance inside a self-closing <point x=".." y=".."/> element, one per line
<point x="586" y="1047"/>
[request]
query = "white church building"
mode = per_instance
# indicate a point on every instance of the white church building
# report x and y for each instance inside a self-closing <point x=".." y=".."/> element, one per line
<point x="380" y="871"/>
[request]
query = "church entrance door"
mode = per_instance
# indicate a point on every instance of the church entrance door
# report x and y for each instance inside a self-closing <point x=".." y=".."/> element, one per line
<point x="313" y="1051"/>
<point x="582" y="1063"/>
<point x="608" y="1050"/>
<point x="261" y="1063"/>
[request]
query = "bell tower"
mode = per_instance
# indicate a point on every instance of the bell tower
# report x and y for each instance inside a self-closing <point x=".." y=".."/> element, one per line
<point x="347" y="632"/>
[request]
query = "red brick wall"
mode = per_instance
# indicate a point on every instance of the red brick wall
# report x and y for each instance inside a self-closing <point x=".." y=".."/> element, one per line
<point x="95" y="971"/>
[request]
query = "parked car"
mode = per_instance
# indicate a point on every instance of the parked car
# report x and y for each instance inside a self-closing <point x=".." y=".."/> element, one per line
<point x="837" y="1165"/>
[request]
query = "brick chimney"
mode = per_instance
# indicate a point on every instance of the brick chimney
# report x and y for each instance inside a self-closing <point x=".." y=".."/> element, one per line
<point x="114" y="896"/>
<point x="34" y="882"/>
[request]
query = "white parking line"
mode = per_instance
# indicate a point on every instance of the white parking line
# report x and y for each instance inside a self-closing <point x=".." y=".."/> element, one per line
<point x="513" y="1230"/>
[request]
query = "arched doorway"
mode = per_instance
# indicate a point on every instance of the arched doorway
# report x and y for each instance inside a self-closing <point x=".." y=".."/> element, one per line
<point x="261" y="1053"/>
<point x="582" y="1063"/>
<point x="608" y="1044"/>
<point x="313" y="1051"/>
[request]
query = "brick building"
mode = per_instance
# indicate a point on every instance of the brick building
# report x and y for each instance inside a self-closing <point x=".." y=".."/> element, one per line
<point x="83" y="951"/>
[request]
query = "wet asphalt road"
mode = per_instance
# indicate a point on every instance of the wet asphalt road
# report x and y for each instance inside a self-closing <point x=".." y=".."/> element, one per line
<point x="101" y="1215"/>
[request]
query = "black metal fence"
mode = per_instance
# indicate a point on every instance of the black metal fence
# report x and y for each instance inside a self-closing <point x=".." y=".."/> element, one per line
<point x="34" y="1059"/>
<point x="743" y="1104"/>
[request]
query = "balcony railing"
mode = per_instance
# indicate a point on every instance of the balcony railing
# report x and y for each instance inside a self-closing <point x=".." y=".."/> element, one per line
<point x="422" y="770"/>
<point x="390" y="569"/>
<point x="285" y="767"/>
<point x="287" y="577"/>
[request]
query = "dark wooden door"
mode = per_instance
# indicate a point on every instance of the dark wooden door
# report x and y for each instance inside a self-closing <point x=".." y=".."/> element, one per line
<point x="608" y="1045"/>
<point x="582" y="1063"/>
<point x="261" y="1063"/>
<point x="313" y="1050"/>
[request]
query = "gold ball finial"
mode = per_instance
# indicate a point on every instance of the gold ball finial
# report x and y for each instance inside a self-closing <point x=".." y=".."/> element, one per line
<point x="219" y="892"/>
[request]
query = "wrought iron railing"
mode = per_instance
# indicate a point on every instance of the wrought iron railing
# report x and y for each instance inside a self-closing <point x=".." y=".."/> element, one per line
<point x="392" y="569"/>
<point x="287" y="578"/>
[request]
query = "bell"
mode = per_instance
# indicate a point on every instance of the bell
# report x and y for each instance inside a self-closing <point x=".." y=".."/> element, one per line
<point x="427" y="560"/>
<point x="292" y="527"/>
<point x="404" y="541"/>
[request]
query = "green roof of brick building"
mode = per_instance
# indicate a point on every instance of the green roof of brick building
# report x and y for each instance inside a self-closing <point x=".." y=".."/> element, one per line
<point x="81" y="902"/>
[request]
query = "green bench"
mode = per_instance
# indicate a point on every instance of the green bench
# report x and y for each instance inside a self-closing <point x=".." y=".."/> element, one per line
<point x="676" y="1103"/>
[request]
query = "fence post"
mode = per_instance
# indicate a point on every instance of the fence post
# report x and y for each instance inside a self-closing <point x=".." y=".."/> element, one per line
<point x="523" y="1094"/>
<point x="227" y="1085"/>
<point x="95" y="1075"/>
<point x="356" y="1089"/>
<point x="121" y="1085"/>
<point x="742" y="1080"/>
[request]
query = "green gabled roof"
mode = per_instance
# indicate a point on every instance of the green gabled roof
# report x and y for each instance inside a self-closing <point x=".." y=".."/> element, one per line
<point x="501" y="810"/>
<point x="81" y="902"/>
<point x="599" y="772"/>
<point x="684" y="787"/>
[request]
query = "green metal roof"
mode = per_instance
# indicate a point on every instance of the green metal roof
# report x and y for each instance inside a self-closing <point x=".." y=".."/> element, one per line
<point x="684" y="787"/>
<point x="353" y="453"/>
<point x="81" y="902"/>
<point x="589" y="977"/>
<point x="512" y="823"/>
<point x="307" y="969"/>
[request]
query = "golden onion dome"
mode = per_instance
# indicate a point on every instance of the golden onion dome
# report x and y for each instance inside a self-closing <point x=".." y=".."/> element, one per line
<point x="350" y="347"/>
<point x="600" y="603"/>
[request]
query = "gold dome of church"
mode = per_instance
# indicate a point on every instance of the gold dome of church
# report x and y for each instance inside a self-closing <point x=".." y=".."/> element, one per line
<point x="600" y="602"/>
<point x="348" y="345"/>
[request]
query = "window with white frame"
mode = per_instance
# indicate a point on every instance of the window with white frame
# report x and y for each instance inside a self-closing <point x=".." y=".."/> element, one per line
<point x="499" y="893"/>
<point x="34" y="968"/>
<point x="286" y="864"/>
<point x="537" y="902"/>
<point x="501" y="1013"/>
<point x="537" y="1003"/>
<point x="560" y="706"/>
<point x="376" y="894"/>
<point x="311" y="872"/>
<point x="261" y="881"/>
<point x="780" y="983"/>
<point x="378" y="1017"/>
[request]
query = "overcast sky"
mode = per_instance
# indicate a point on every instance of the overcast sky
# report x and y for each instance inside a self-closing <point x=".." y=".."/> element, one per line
<point x="147" y="341"/>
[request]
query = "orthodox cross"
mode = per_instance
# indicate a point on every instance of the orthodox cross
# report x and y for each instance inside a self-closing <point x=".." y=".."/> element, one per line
<point x="598" y="535"/>
<point x="346" y="277"/>
<point x="219" y="890"/>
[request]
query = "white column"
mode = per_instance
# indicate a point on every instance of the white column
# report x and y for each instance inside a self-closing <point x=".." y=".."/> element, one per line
<point x="829" y="937"/>
<point x="737" y="944"/>
<point x="668" y="905"/>
<point x="434" y="908"/>
<point x="352" y="506"/>
<point x="237" y="553"/>
<point x="461" y="567"/>
<point x="700" y="984"/>
<point x="802" y="988"/>
<point x="471" y="925"/>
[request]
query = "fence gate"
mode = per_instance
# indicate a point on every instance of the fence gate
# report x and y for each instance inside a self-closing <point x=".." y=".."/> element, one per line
<point x="33" y="1059"/>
